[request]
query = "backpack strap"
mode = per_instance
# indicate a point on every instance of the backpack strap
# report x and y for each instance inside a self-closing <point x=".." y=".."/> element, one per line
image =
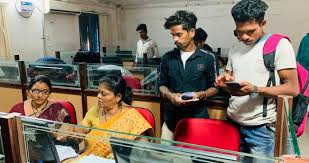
<point x="269" y="51"/>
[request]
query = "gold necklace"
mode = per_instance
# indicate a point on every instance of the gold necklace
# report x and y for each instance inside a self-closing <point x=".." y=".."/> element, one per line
<point x="36" y="110"/>
<point x="105" y="113"/>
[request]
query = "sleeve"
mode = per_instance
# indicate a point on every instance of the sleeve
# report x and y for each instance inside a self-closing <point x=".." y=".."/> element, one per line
<point x="163" y="71"/>
<point x="137" y="52"/>
<point x="18" y="108"/>
<point x="229" y="61"/>
<point x="156" y="50"/>
<point x="211" y="71"/>
<point x="285" y="56"/>
<point x="87" y="121"/>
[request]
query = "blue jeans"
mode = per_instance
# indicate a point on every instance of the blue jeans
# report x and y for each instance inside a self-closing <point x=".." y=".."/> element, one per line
<point x="259" y="141"/>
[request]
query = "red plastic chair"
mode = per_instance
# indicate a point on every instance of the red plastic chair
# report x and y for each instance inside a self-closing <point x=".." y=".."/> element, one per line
<point x="132" y="82"/>
<point x="70" y="108"/>
<point x="208" y="132"/>
<point x="149" y="117"/>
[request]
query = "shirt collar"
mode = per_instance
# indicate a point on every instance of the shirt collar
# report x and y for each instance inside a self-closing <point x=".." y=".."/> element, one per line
<point x="196" y="53"/>
<point x="265" y="37"/>
<point x="148" y="39"/>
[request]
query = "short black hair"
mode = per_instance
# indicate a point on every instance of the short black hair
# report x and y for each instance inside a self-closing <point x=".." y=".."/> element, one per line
<point x="185" y="18"/>
<point x="41" y="79"/>
<point x="142" y="27"/>
<point x="200" y="35"/>
<point x="249" y="10"/>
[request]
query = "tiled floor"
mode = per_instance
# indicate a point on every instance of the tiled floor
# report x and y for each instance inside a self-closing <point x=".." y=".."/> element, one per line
<point x="303" y="141"/>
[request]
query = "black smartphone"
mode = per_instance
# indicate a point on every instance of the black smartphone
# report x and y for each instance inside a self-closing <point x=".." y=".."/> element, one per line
<point x="187" y="96"/>
<point x="233" y="84"/>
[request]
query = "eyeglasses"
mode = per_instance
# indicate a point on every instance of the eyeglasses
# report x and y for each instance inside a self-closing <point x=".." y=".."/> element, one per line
<point x="36" y="91"/>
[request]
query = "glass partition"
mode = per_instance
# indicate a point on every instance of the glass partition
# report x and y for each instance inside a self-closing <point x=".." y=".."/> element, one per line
<point x="9" y="72"/>
<point x="2" y="156"/>
<point x="67" y="56"/>
<point x="59" y="74"/>
<point x="292" y="144"/>
<point x="140" y="79"/>
<point x="51" y="141"/>
<point x="3" y="131"/>
<point x="7" y="58"/>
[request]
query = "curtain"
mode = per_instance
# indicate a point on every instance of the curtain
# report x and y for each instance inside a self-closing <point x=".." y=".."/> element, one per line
<point x="5" y="51"/>
<point x="94" y="33"/>
<point x="89" y="32"/>
<point x="83" y="31"/>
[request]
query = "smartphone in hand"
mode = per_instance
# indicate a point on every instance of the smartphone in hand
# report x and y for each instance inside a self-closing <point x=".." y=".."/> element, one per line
<point x="233" y="84"/>
<point x="187" y="96"/>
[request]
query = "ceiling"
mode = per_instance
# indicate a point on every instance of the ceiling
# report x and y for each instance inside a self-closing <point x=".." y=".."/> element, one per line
<point x="132" y="3"/>
<point x="143" y="2"/>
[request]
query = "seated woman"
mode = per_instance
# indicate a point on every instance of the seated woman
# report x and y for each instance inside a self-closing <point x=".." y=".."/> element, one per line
<point x="39" y="105"/>
<point x="111" y="114"/>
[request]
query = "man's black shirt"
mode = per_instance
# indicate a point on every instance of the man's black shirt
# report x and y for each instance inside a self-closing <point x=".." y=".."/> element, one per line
<point x="198" y="75"/>
<point x="207" y="47"/>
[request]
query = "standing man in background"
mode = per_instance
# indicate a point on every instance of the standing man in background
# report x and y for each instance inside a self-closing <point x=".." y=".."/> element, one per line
<point x="200" y="39"/>
<point x="185" y="69"/>
<point x="145" y="46"/>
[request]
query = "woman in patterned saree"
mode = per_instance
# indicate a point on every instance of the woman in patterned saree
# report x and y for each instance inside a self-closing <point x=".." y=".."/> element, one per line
<point x="39" y="105"/>
<point x="111" y="114"/>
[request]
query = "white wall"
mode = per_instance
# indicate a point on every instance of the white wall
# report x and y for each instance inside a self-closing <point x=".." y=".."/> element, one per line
<point x="91" y="7"/>
<point x="62" y="32"/>
<point x="289" y="17"/>
<point x="25" y="33"/>
<point x="283" y="16"/>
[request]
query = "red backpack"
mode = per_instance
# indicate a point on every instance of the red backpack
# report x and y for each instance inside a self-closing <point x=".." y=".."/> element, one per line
<point x="300" y="103"/>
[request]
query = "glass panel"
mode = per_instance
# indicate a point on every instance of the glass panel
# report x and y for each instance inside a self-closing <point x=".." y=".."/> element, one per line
<point x="52" y="141"/>
<point x="9" y="72"/>
<point x="141" y="79"/>
<point x="292" y="144"/>
<point x="67" y="56"/>
<point x="2" y="156"/>
<point x="59" y="74"/>
<point x="7" y="58"/>
<point x="120" y="51"/>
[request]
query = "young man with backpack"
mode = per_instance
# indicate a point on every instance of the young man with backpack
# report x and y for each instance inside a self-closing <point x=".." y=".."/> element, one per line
<point x="246" y="66"/>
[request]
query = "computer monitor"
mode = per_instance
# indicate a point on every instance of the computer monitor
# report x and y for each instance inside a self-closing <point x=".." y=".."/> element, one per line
<point x="39" y="142"/>
<point x="126" y="151"/>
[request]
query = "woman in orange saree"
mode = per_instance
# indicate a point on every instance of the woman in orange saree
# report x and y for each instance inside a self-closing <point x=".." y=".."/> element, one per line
<point x="111" y="114"/>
